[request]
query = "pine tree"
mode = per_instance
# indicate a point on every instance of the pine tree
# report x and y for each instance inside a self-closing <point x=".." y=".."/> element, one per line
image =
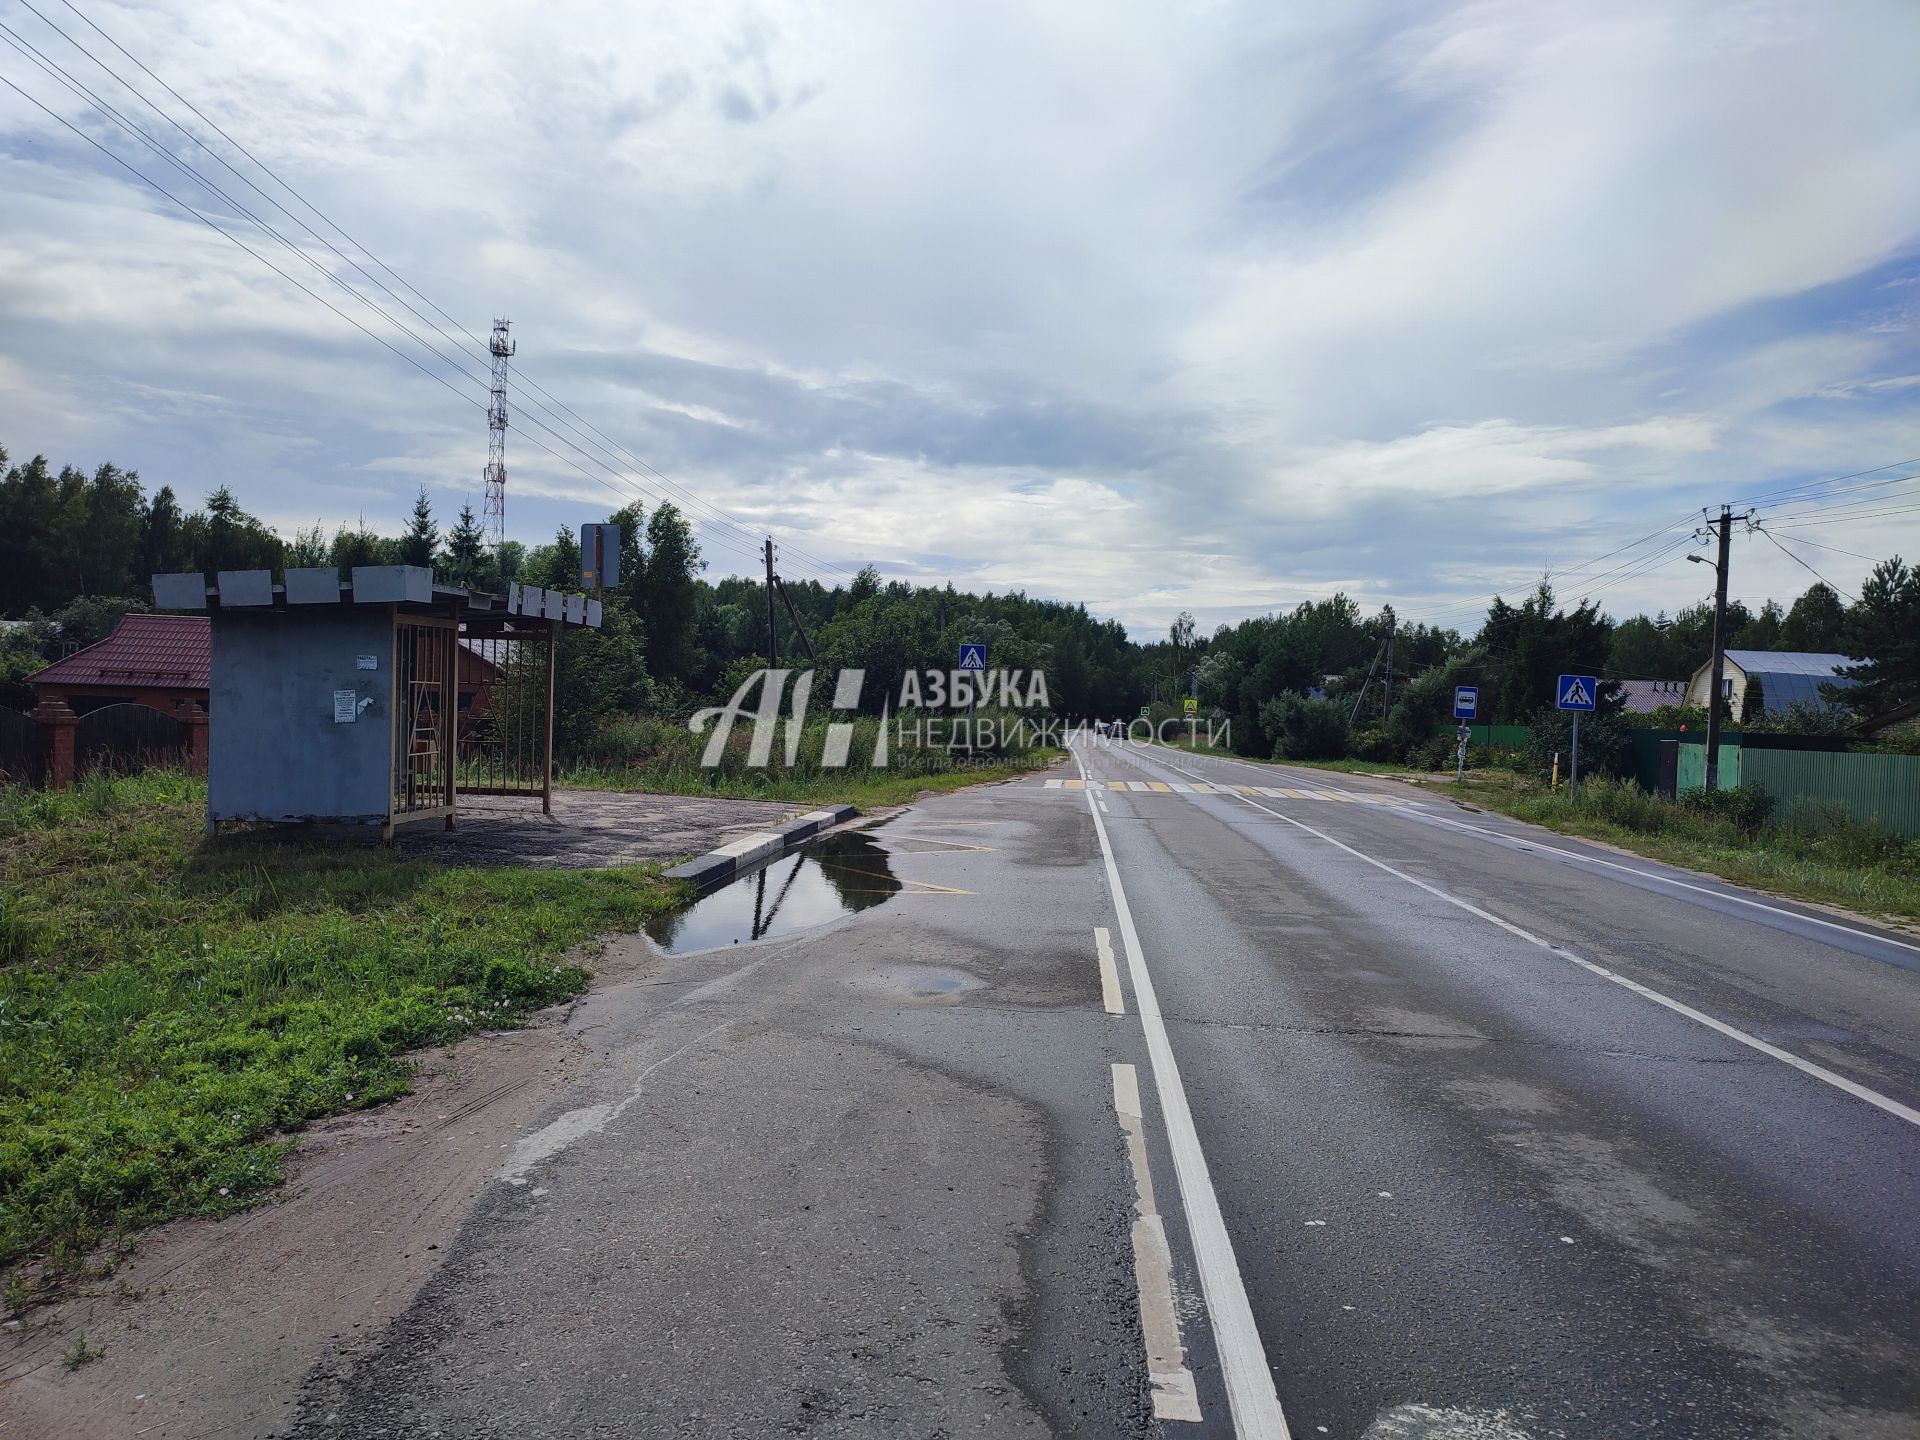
<point x="422" y="540"/>
<point x="466" y="550"/>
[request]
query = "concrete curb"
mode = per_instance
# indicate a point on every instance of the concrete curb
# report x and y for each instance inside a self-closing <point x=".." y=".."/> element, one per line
<point x="749" y="850"/>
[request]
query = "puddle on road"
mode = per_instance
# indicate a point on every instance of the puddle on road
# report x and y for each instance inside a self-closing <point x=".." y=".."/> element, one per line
<point x="920" y="982"/>
<point x="831" y="877"/>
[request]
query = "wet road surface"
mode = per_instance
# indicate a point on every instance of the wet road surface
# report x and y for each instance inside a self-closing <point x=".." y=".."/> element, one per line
<point x="1171" y="1095"/>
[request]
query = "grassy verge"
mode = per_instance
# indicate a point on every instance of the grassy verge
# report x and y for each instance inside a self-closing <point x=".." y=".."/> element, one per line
<point x="862" y="789"/>
<point x="1806" y="853"/>
<point x="172" y="1007"/>
<point x="663" y="757"/>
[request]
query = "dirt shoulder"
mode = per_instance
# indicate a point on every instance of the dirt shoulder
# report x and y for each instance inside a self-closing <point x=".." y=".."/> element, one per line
<point x="210" y="1326"/>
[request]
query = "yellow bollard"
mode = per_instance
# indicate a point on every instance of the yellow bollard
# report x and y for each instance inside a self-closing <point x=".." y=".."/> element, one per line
<point x="1556" y="772"/>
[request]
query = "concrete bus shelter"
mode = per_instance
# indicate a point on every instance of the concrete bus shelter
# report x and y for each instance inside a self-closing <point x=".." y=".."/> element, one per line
<point x="338" y="700"/>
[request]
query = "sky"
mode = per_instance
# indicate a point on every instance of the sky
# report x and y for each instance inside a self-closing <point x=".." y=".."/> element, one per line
<point x="1214" y="307"/>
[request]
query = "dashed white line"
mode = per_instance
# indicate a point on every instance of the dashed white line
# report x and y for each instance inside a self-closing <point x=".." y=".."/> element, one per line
<point x="1174" y="1394"/>
<point x="1248" y="1379"/>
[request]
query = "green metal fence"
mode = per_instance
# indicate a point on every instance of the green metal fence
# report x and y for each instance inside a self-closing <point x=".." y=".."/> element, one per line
<point x="1500" y="737"/>
<point x="1693" y="766"/>
<point x="1882" y="788"/>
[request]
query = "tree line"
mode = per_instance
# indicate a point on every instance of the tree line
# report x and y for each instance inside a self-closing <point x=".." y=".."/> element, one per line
<point x="77" y="548"/>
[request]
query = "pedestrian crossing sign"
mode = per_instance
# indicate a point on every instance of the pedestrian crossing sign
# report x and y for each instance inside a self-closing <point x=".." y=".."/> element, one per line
<point x="1577" y="692"/>
<point x="1193" y="706"/>
<point x="973" y="658"/>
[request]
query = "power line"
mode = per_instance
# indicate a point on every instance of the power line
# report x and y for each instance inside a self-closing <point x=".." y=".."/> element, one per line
<point x="1801" y="563"/>
<point x="705" y="513"/>
<point x="1814" y="484"/>
<point x="1794" y="524"/>
<point x="55" y="71"/>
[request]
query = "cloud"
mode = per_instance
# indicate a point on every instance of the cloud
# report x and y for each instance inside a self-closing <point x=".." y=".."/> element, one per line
<point x="1154" y="308"/>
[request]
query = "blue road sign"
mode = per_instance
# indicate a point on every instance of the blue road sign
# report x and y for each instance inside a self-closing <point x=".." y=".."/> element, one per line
<point x="973" y="657"/>
<point x="1466" y="701"/>
<point x="1577" y="692"/>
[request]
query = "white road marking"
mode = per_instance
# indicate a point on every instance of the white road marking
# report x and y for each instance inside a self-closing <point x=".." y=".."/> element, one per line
<point x="1786" y="1057"/>
<point x="1174" y="1394"/>
<point x="1243" y="1359"/>
<point x="1410" y="807"/>
<point x="1528" y="840"/>
<point x="1109" y="976"/>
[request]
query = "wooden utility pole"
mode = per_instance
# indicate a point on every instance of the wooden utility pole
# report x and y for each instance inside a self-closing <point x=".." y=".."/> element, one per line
<point x="1725" y="526"/>
<point x="1386" y="697"/>
<point x="773" y="644"/>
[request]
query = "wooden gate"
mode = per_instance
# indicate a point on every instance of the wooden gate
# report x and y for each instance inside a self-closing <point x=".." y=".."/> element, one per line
<point x="506" y="708"/>
<point x="423" y="701"/>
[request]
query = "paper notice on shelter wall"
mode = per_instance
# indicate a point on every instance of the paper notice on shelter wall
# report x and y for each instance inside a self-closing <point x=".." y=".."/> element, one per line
<point x="346" y="707"/>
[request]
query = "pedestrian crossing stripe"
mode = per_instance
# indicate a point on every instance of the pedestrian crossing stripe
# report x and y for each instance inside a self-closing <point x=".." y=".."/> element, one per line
<point x="1271" y="792"/>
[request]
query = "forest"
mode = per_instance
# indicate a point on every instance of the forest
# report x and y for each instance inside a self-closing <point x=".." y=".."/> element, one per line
<point x="77" y="548"/>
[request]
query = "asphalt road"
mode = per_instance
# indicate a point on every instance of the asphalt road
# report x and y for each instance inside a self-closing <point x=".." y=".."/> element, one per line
<point x="1314" y="1107"/>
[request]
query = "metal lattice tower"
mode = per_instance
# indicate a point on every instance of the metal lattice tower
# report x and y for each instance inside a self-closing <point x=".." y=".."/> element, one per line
<point x="494" y="506"/>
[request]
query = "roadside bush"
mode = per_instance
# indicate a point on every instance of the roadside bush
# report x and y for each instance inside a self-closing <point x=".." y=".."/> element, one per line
<point x="1304" y="729"/>
<point x="1436" y="754"/>
<point x="1746" y="807"/>
<point x="1897" y="742"/>
<point x="1371" y="744"/>
<point x="1604" y="747"/>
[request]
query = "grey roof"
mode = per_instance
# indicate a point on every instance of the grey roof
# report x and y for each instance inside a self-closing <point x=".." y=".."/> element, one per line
<point x="1791" y="677"/>
<point x="1643" y="697"/>
<point x="1788" y="662"/>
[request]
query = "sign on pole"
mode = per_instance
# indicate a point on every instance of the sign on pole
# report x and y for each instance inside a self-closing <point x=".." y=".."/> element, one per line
<point x="599" y="556"/>
<point x="973" y="658"/>
<point x="1577" y="692"/>
<point x="1466" y="701"/>
<point x="1580" y="694"/>
<point x="1192" y="706"/>
<point x="1144" y="712"/>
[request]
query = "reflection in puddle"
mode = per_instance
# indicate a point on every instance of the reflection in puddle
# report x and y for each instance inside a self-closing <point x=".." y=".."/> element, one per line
<point x="829" y="878"/>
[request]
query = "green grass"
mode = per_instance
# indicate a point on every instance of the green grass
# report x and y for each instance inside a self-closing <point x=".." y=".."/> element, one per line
<point x="660" y="756"/>
<point x="1806" y="852"/>
<point x="173" y="1007"/>
<point x="863" y="789"/>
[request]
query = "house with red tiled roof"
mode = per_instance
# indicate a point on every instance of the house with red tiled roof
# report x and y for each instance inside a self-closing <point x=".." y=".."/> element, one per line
<point x="156" y="660"/>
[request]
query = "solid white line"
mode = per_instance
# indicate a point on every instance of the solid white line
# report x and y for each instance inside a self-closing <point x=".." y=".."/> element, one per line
<point x="1174" y="1395"/>
<point x="1109" y="976"/>
<point x="1785" y="1057"/>
<point x="1243" y="1359"/>
<point x="1670" y="880"/>
<point x="1405" y="807"/>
